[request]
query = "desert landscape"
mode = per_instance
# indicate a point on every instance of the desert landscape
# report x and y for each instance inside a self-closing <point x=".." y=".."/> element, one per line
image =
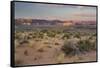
<point x="54" y="34"/>
<point x="52" y="45"/>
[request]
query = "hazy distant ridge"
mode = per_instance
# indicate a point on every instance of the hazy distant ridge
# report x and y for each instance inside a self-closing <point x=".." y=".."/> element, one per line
<point x="43" y="22"/>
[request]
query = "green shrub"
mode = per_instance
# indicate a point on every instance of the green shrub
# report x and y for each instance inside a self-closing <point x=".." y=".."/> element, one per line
<point x="83" y="45"/>
<point x="18" y="36"/>
<point x="93" y="45"/>
<point x="70" y="48"/>
<point x="29" y="37"/>
<point x="86" y="45"/>
<point x="51" y="34"/>
<point x="94" y="34"/>
<point x="33" y="36"/>
<point x="66" y="35"/>
<point x="67" y="50"/>
<point x="91" y="37"/>
<point x="77" y="36"/>
<point x="44" y="31"/>
<point x="39" y="35"/>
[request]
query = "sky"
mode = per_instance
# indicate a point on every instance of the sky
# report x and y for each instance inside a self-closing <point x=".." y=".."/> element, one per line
<point x="54" y="11"/>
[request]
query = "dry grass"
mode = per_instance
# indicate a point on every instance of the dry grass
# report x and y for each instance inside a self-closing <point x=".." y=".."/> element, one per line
<point x="35" y="49"/>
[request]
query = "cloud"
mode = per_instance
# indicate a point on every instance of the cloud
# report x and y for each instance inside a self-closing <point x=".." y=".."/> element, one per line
<point x="85" y="15"/>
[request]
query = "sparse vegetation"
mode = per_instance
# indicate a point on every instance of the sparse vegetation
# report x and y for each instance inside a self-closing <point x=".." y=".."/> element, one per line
<point x="26" y="53"/>
<point x="24" y="42"/>
<point x="18" y="62"/>
<point x="86" y="45"/>
<point x="56" y="43"/>
<point x="46" y="41"/>
<point x="41" y="50"/>
<point x="66" y="36"/>
<point x="69" y="48"/>
<point x="51" y="34"/>
<point x="77" y="35"/>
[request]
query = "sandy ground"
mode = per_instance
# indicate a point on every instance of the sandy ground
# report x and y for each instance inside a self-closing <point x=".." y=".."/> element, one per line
<point x="47" y="52"/>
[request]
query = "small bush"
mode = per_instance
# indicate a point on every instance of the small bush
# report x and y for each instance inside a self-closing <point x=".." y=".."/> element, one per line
<point x="37" y="40"/>
<point x="83" y="45"/>
<point x="40" y="35"/>
<point x="56" y="43"/>
<point x="94" y="34"/>
<point x="77" y="36"/>
<point x="24" y="42"/>
<point x="18" y="36"/>
<point x="44" y="31"/>
<point x="41" y="50"/>
<point x="48" y="46"/>
<point x="26" y="53"/>
<point x="70" y="48"/>
<point x="33" y="36"/>
<point x="93" y="45"/>
<point x="91" y="37"/>
<point x="35" y="58"/>
<point x="86" y="45"/>
<point x="46" y="42"/>
<point x="66" y="36"/>
<point x="51" y="34"/>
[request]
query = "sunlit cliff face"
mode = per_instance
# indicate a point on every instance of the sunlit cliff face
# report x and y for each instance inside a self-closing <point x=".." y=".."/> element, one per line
<point x="67" y="23"/>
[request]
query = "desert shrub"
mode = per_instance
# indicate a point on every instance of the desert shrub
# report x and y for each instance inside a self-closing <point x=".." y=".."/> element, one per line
<point x="29" y="37"/>
<point x="35" y="58"/>
<point x="67" y="50"/>
<point x="44" y="31"/>
<point x="46" y="42"/>
<point x="26" y="53"/>
<point x="91" y="37"/>
<point x="24" y="42"/>
<point x="77" y="35"/>
<point x="49" y="46"/>
<point x="33" y="36"/>
<point x="66" y="35"/>
<point x="94" y="34"/>
<point x="56" y="43"/>
<point x="86" y="45"/>
<point x="37" y="39"/>
<point x="93" y="45"/>
<point x="83" y="45"/>
<point x="51" y="34"/>
<point x="58" y="32"/>
<point x="41" y="50"/>
<point x="30" y="34"/>
<point x="18" y="36"/>
<point x="38" y="35"/>
<point x="70" y="48"/>
<point x="41" y="35"/>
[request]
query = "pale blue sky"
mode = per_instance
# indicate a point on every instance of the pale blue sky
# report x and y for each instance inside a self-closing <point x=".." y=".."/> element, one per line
<point x="53" y="11"/>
